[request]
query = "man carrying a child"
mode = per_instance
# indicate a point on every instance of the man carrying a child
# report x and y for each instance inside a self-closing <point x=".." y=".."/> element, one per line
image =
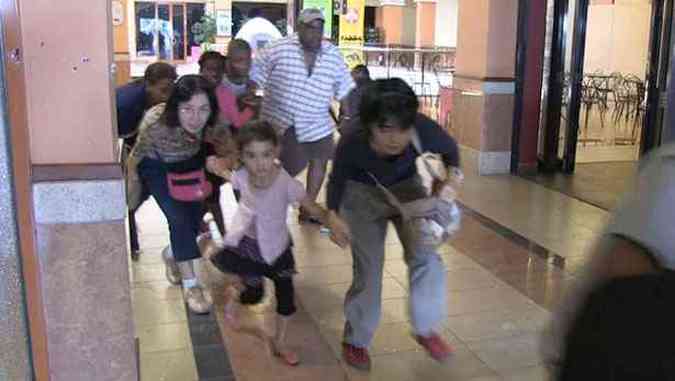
<point x="370" y="164"/>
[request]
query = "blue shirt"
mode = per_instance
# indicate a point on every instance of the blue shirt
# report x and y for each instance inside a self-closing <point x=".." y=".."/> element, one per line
<point x="131" y="106"/>
<point x="355" y="159"/>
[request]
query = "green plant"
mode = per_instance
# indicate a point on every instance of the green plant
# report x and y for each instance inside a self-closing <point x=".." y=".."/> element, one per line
<point x="205" y="30"/>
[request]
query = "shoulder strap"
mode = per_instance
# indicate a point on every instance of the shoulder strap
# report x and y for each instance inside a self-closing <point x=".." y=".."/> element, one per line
<point x="391" y="198"/>
<point x="416" y="142"/>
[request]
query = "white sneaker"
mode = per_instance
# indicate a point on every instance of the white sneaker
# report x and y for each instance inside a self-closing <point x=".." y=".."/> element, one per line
<point x="196" y="301"/>
<point x="171" y="267"/>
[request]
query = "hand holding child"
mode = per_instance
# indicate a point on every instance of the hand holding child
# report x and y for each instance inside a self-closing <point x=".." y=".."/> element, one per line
<point x="219" y="166"/>
<point x="339" y="231"/>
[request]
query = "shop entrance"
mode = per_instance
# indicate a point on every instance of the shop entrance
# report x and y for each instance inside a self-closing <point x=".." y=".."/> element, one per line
<point x="605" y="68"/>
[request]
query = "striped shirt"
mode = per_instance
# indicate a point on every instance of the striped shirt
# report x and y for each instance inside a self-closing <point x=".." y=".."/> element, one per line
<point x="292" y="97"/>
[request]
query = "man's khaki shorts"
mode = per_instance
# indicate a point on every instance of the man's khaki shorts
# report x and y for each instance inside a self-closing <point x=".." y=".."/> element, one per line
<point x="295" y="155"/>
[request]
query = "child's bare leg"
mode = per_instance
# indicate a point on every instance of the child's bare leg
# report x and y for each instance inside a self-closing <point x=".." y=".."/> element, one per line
<point x="278" y="342"/>
<point x="285" y="309"/>
<point x="250" y="292"/>
<point x="231" y="306"/>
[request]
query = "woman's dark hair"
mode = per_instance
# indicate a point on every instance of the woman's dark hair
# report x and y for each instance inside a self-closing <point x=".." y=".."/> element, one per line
<point x="257" y="131"/>
<point x="187" y="87"/>
<point x="211" y="55"/>
<point x="388" y="99"/>
<point x="158" y="71"/>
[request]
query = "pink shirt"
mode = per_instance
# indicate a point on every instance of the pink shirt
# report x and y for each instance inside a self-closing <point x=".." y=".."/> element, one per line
<point x="262" y="213"/>
<point x="229" y="110"/>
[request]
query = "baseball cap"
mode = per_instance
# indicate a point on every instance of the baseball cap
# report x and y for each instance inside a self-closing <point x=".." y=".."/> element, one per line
<point x="308" y="15"/>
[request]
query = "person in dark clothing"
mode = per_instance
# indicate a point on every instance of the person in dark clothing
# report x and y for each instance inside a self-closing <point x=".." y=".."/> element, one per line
<point x="349" y="108"/>
<point x="385" y="149"/>
<point x="133" y="100"/>
<point x="624" y="331"/>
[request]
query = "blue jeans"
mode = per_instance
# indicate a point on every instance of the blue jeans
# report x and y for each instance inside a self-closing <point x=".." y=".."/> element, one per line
<point x="367" y="213"/>
<point x="184" y="218"/>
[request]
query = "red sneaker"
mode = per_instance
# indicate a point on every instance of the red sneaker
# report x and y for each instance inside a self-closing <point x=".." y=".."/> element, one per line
<point x="356" y="357"/>
<point x="435" y="346"/>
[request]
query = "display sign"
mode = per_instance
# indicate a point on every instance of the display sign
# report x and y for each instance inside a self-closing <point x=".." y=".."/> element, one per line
<point x="352" y="22"/>
<point x="117" y="13"/>
<point x="224" y="22"/>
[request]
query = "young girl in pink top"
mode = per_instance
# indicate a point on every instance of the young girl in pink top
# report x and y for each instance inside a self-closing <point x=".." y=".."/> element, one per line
<point x="237" y="103"/>
<point x="258" y="242"/>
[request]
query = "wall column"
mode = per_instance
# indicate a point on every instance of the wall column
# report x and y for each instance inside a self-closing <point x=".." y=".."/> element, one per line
<point x="483" y="102"/>
<point x="73" y="204"/>
<point x="425" y="23"/>
<point x="392" y="21"/>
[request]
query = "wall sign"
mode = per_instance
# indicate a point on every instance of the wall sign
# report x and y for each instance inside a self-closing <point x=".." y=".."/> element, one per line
<point x="117" y="13"/>
<point x="224" y="22"/>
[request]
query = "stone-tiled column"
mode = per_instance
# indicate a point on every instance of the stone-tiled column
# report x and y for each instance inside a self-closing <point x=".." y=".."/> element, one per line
<point x="76" y="197"/>
<point x="483" y="102"/>
<point x="14" y="341"/>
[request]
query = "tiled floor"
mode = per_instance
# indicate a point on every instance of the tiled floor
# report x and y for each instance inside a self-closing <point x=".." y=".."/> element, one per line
<point x="600" y="184"/>
<point x="519" y="249"/>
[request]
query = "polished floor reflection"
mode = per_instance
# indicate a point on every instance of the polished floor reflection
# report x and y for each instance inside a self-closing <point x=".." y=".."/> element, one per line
<point x="520" y="248"/>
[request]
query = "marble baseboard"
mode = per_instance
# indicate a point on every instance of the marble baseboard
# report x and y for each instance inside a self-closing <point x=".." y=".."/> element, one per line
<point x="485" y="163"/>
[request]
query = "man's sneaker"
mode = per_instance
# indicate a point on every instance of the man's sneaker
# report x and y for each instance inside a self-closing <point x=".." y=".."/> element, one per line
<point x="196" y="301"/>
<point x="356" y="357"/>
<point x="171" y="267"/>
<point x="435" y="346"/>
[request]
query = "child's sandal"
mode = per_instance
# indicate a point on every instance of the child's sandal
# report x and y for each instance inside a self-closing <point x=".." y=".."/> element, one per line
<point x="289" y="358"/>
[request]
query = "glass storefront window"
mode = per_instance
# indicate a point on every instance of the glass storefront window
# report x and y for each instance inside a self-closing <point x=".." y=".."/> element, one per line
<point x="164" y="31"/>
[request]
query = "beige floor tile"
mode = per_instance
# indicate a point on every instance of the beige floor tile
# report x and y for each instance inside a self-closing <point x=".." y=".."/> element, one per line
<point x="156" y="241"/>
<point x="147" y="273"/>
<point x="168" y="366"/>
<point x="148" y="292"/>
<point x="326" y="275"/>
<point x="470" y="279"/>
<point x="164" y="337"/>
<point x="509" y="353"/>
<point x="149" y="311"/>
<point x="150" y="256"/>
<point x="498" y="323"/>
<point x="394" y="311"/>
<point x="414" y="366"/>
<point x="537" y="373"/>
<point x="398" y="337"/>
<point x="396" y="268"/>
<point x="454" y="260"/>
<point x="328" y="257"/>
<point x="486" y="299"/>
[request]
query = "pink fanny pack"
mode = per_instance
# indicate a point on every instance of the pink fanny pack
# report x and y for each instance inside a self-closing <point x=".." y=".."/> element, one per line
<point x="187" y="180"/>
<point x="189" y="186"/>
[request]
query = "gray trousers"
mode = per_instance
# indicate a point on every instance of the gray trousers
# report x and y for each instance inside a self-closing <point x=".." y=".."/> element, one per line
<point x="367" y="213"/>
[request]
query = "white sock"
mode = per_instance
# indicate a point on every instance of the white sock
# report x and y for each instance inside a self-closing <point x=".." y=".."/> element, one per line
<point x="189" y="283"/>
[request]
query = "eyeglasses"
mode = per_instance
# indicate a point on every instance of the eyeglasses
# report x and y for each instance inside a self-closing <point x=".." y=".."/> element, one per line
<point x="202" y="112"/>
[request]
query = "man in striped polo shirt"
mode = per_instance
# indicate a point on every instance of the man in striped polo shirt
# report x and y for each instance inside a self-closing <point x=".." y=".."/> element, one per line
<point x="301" y="75"/>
